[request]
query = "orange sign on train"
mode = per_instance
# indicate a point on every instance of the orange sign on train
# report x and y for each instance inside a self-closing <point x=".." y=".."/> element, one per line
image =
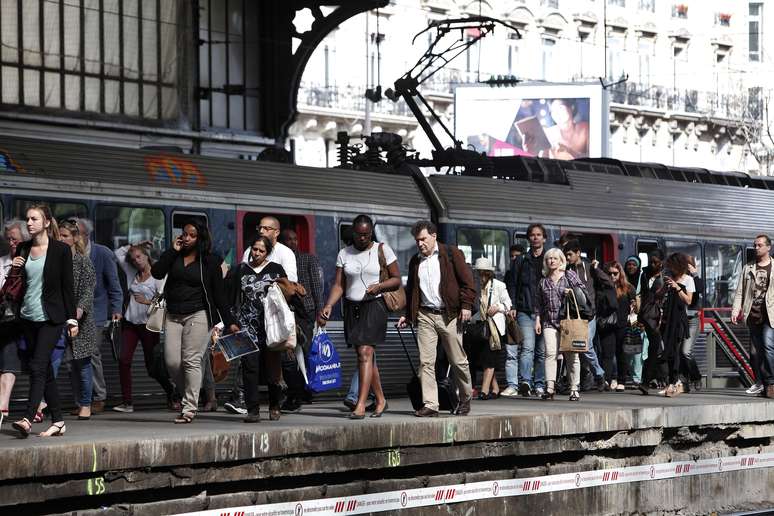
<point x="175" y="170"/>
<point x="7" y="163"/>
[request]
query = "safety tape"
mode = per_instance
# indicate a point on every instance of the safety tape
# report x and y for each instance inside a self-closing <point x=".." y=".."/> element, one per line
<point x="440" y="495"/>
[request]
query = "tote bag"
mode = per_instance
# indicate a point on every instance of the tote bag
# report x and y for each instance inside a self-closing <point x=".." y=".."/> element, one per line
<point x="573" y="333"/>
<point x="323" y="364"/>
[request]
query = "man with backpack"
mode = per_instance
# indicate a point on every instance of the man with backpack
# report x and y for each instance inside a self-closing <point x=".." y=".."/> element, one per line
<point x="440" y="294"/>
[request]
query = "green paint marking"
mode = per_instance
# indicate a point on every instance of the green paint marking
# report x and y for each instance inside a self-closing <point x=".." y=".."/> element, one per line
<point x="393" y="457"/>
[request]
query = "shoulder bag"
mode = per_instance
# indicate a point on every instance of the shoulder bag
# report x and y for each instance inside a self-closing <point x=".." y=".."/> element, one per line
<point x="573" y="333"/>
<point x="480" y="331"/>
<point x="157" y="312"/>
<point x="394" y="299"/>
<point x="12" y="293"/>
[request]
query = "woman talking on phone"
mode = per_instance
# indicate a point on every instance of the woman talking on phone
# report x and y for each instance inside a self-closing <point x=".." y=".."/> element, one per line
<point x="48" y="306"/>
<point x="365" y="313"/>
<point x="195" y="299"/>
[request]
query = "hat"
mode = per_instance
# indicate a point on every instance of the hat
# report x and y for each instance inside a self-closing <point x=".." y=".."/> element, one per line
<point x="634" y="259"/>
<point x="483" y="264"/>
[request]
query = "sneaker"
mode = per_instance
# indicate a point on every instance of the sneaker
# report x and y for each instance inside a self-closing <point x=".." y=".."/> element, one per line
<point x="601" y="384"/>
<point x="620" y="387"/>
<point x="613" y="385"/>
<point x="123" y="407"/>
<point x="234" y="407"/>
<point x="754" y="390"/>
<point x="539" y="391"/>
<point x="525" y="389"/>
<point x="509" y="392"/>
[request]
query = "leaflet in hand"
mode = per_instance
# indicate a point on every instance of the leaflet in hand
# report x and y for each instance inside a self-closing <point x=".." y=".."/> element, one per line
<point x="238" y="344"/>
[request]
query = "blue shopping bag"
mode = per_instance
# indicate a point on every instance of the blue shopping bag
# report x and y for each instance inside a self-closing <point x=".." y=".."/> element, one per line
<point x="323" y="364"/>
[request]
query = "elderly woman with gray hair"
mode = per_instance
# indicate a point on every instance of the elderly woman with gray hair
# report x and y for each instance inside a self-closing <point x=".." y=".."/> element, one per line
<point x="14" y="232"/>
<point x="555" y="284"/>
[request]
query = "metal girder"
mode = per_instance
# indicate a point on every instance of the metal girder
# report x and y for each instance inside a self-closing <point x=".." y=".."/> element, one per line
<point x="281" y="68"/>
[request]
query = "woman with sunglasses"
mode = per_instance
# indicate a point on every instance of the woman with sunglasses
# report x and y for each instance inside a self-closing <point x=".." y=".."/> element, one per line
<point x="614" y="360"/>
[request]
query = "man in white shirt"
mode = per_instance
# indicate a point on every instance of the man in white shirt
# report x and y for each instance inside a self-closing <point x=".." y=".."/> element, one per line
<point x="280" y="254"/>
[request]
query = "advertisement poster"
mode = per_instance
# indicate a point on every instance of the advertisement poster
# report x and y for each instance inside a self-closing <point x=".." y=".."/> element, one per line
<point x="566" y="121"/>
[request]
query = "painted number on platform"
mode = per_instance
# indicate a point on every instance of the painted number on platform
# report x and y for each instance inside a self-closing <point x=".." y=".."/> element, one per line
<point x="264" y="445"/>
<point x="228" y="448"/>
<point x="450" y="431"/>
<point x="393" y="457"/>
<point x="96" y="486"/>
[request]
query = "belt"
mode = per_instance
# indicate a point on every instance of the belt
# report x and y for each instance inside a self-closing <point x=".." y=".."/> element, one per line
<point x="433" y="310"/>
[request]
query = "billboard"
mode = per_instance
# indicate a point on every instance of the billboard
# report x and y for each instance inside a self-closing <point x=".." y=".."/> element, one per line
<point x="560" y="121"/>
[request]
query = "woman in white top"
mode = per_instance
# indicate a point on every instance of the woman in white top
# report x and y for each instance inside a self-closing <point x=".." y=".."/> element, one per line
<point x="494" y="303"/>
<point x="674" y="321"/>
<point x="365" y="313"/>
<point x="135" y="261"/>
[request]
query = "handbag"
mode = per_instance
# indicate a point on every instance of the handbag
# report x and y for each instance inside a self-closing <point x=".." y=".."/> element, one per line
<point x="632" y="341"/>
<point x="394" y="299"/>
<point x="279" y="321"/>
<point x="478" y="331"/>
<point x="573" y="333"/>
<point x="12" y="293"/>
<point x="219" y="365"/>
<point x="157" y="313"/>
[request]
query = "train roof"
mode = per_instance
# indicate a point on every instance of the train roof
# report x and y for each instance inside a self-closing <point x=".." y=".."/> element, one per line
<point x="591" y="199"/>
<point x="157" y="176"/>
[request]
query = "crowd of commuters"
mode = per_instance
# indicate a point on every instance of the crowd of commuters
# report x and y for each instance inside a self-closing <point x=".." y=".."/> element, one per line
<point x="642" y="322"/>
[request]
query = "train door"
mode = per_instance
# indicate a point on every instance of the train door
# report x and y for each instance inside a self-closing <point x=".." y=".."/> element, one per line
<point x="594" y="246"/>
<point x="248" y="221"/>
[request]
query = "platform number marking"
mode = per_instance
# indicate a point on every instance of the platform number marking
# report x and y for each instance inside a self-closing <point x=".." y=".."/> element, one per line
<point x="450" y="431"/>
<point x="393" y="457"/>
<point x="264" y="446"/>
<point x="96" y="485"/>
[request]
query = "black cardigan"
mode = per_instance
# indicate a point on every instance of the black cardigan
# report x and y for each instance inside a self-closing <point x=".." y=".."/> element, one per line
<point x="217" y="308"/>
<point x="58" y="291"/>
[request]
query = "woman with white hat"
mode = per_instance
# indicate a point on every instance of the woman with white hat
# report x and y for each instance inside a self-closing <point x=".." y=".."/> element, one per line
<point x="494" y="303"/>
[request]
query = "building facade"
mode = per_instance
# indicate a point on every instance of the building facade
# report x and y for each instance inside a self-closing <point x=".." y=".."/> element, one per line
<point x="687" y="79"/>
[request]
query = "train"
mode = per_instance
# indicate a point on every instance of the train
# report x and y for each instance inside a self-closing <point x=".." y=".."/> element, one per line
<point x="614" y="208"/>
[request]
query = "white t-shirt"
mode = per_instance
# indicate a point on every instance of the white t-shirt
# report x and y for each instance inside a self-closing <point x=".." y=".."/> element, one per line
<point x="282" y="255"/>
<point x="361" y="268"/>
<point x="687" y="280"/>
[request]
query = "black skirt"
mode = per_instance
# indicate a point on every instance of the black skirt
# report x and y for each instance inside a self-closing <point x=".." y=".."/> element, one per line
<point x="365" y="322"/>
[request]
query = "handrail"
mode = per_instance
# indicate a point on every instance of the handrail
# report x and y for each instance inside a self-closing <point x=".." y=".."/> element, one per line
<point x="733" y="346"/>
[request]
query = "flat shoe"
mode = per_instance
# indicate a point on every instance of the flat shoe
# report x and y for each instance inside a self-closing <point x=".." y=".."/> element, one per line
<point x="55" y="430"/>
<point x="23" y="426"/>
<point x="185" y="418"/>
<point x="352" y="415"/>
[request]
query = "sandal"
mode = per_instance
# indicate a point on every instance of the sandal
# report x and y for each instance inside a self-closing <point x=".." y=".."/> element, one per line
<point x="39" y="417"/>
<point x="547" y="396"/>
<point x="275" y="413"/>
<point x="184" y="418"/>
<point x="57" y="429"/>
<point x="23" y="426"/>
<point x="574" y="396"/>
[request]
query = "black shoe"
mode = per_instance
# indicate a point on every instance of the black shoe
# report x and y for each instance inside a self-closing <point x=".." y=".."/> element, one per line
<point x="426" y="412"/>
<point x="463" y="409"/>
<point x="379" y="414"/>
<point x="349" y="404"/>
<point x="352" y="415"/>
<point x="601" y="384"/>
<point x="642" y="388"/>
<point x="290" y="406"/>
<point x="524" y="389"/>
<point x="371" y="407"/>
<point x="252" y="418"/>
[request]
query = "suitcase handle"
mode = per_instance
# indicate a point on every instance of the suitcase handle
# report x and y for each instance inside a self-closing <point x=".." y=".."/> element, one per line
<point x="405" y="349"/>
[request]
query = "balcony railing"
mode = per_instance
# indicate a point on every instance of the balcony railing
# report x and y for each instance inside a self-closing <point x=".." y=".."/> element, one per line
<point x="348" y="98"/>
<point x="706" y="103"/>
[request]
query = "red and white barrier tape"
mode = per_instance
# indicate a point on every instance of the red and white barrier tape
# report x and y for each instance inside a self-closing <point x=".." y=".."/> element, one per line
<point x="439" y="495"/>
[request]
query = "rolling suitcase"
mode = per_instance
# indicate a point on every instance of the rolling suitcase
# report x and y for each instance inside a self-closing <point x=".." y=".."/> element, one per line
<point x="447" y="393"/>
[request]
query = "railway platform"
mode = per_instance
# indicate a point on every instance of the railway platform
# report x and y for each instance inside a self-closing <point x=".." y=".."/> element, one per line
<point x="611" y="453"/>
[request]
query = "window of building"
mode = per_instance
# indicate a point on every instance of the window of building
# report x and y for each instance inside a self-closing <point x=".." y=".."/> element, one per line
<point x="646" y="56"/>
<point x="648" y="5"/>
<point x="513" y="59"/>
<point x="615" y="49"/>
<point x="228" y="68"/>
<point x="489" y="243"/>
<point x="551" y="4"/>
<point x="547" y="63"/>
<point x="722" y="269"/>
<point x="116" y="226"/>
<point x="112" y="57"/>
<point x="755" y="102"/>
<point x="755" y="29"/>
<point x="619" y="3"/>
<point x="60" y="210"/>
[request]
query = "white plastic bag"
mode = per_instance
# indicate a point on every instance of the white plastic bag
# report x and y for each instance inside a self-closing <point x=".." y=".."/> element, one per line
<point x="278" y="318"/>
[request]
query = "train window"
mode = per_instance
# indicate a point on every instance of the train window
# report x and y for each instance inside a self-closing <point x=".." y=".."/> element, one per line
<point x="490" y="243"/>
<point x="60" y="210"/>
<point x="689" y="248"/>
<point x="181" y="218"/>
<point x="399" y="239"/>
<point x="117" y="226"/>
<point x="722" y="270"/>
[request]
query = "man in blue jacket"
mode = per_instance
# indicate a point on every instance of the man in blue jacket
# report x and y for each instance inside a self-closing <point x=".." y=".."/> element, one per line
<point x="108" y="304"/>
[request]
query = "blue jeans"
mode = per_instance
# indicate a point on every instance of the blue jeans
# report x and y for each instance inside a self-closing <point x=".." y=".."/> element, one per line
<point x="83" y="373"/>
<point x="762" y="336"/>
<point x="532" y="354"/>
<point x="636" y="361"/>
<point x="591" y="355"/>
<point x="354" y="388"/>
<point x="512" y="365"/>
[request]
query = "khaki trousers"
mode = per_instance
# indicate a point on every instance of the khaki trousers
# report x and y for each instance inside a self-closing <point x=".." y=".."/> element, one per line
<point x="571" y="360"/>
<point x="430" y="327"/>
<point x="185" y="340"/>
